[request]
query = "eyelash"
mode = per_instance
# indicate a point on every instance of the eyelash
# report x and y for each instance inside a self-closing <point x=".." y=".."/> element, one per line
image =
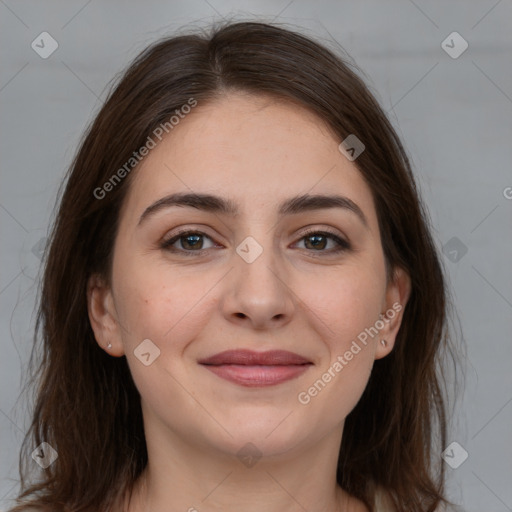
<point x="343" y="245"/>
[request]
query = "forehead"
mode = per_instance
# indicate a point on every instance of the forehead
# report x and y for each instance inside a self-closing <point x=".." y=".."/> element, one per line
<point x="256" y="150"/>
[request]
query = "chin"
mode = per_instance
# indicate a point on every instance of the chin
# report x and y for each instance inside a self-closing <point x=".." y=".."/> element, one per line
<point x="267" y="430"/>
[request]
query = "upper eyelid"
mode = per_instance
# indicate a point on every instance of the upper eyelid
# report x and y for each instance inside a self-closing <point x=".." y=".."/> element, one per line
<point x="307" y="231"/>
<point x="304" y="231"/>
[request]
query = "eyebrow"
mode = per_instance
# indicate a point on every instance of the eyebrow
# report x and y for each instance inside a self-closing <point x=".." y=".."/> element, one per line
<point x="219" y="205"/>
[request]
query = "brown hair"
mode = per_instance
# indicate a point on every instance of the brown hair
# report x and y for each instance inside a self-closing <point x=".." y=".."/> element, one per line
<point x="87" y="406"/>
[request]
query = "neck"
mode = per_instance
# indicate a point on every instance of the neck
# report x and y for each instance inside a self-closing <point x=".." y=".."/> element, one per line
<point x="190" y="478"/>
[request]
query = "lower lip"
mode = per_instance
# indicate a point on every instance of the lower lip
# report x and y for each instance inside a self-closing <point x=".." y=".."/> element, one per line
<point x="257" y="376"/>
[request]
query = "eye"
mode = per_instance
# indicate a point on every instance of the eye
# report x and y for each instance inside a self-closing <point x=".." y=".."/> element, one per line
<point x="190" y="241"/>
<point x="193" y="242"/>
<point x="317" y="241"/>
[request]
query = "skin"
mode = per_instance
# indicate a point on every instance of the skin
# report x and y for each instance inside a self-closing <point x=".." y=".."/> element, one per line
<point x="294" y="296"/>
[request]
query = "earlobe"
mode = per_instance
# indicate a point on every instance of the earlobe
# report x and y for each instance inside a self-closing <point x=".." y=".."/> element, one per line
<point x="103" y="317"/>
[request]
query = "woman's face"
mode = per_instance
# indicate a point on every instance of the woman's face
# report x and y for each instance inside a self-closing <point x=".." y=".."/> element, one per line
<point x="281" y="272"/>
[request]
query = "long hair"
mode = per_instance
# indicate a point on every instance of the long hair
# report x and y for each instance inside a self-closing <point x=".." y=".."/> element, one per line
<point x="87" y="407"/>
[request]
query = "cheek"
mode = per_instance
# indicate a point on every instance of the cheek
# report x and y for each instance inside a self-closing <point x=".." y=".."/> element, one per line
<point x="167" y="307"/>
<point x="170" y="316"/>
<point x="346" y="304"/>
<point x="344" y="311"/>
<point x="338" y="382"/>
<point x="348" y="308"/>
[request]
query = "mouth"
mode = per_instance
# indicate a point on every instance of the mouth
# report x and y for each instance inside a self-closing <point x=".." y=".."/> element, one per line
<point x="256" y="369"/>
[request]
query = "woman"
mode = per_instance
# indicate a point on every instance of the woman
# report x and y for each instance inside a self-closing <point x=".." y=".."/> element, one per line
<point x="242" y="305"/>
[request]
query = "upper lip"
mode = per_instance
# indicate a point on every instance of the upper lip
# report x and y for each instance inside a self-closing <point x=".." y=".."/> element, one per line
<point x="251" y="358"/>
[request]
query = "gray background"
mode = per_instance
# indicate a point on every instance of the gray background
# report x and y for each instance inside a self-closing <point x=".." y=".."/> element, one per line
<point x="454" y="116"/>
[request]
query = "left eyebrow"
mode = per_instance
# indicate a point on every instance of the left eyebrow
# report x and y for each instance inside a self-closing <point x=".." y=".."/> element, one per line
<point x="216" y="204"/>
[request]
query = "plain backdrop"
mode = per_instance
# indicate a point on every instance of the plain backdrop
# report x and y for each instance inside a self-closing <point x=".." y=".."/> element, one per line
<point x="453" y="112"/>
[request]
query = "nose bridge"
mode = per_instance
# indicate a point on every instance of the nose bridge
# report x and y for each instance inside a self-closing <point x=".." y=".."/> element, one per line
<point x="256" y="262"/>
<point x="259" y="292"/>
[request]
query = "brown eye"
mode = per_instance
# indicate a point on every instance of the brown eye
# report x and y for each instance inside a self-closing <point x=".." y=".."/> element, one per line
<point x="317" y="241"/>
<point x="190" y="241"/>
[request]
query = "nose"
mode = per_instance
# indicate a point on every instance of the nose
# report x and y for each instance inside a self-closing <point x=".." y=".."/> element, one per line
<point x="257" y="293"/>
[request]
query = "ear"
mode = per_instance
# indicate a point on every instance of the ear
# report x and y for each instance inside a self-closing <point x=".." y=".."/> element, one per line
<point x="103" y="316"/>
<point x="398" y="291"/>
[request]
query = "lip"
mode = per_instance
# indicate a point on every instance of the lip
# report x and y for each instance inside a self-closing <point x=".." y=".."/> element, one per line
<point x="256" y="369"/>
